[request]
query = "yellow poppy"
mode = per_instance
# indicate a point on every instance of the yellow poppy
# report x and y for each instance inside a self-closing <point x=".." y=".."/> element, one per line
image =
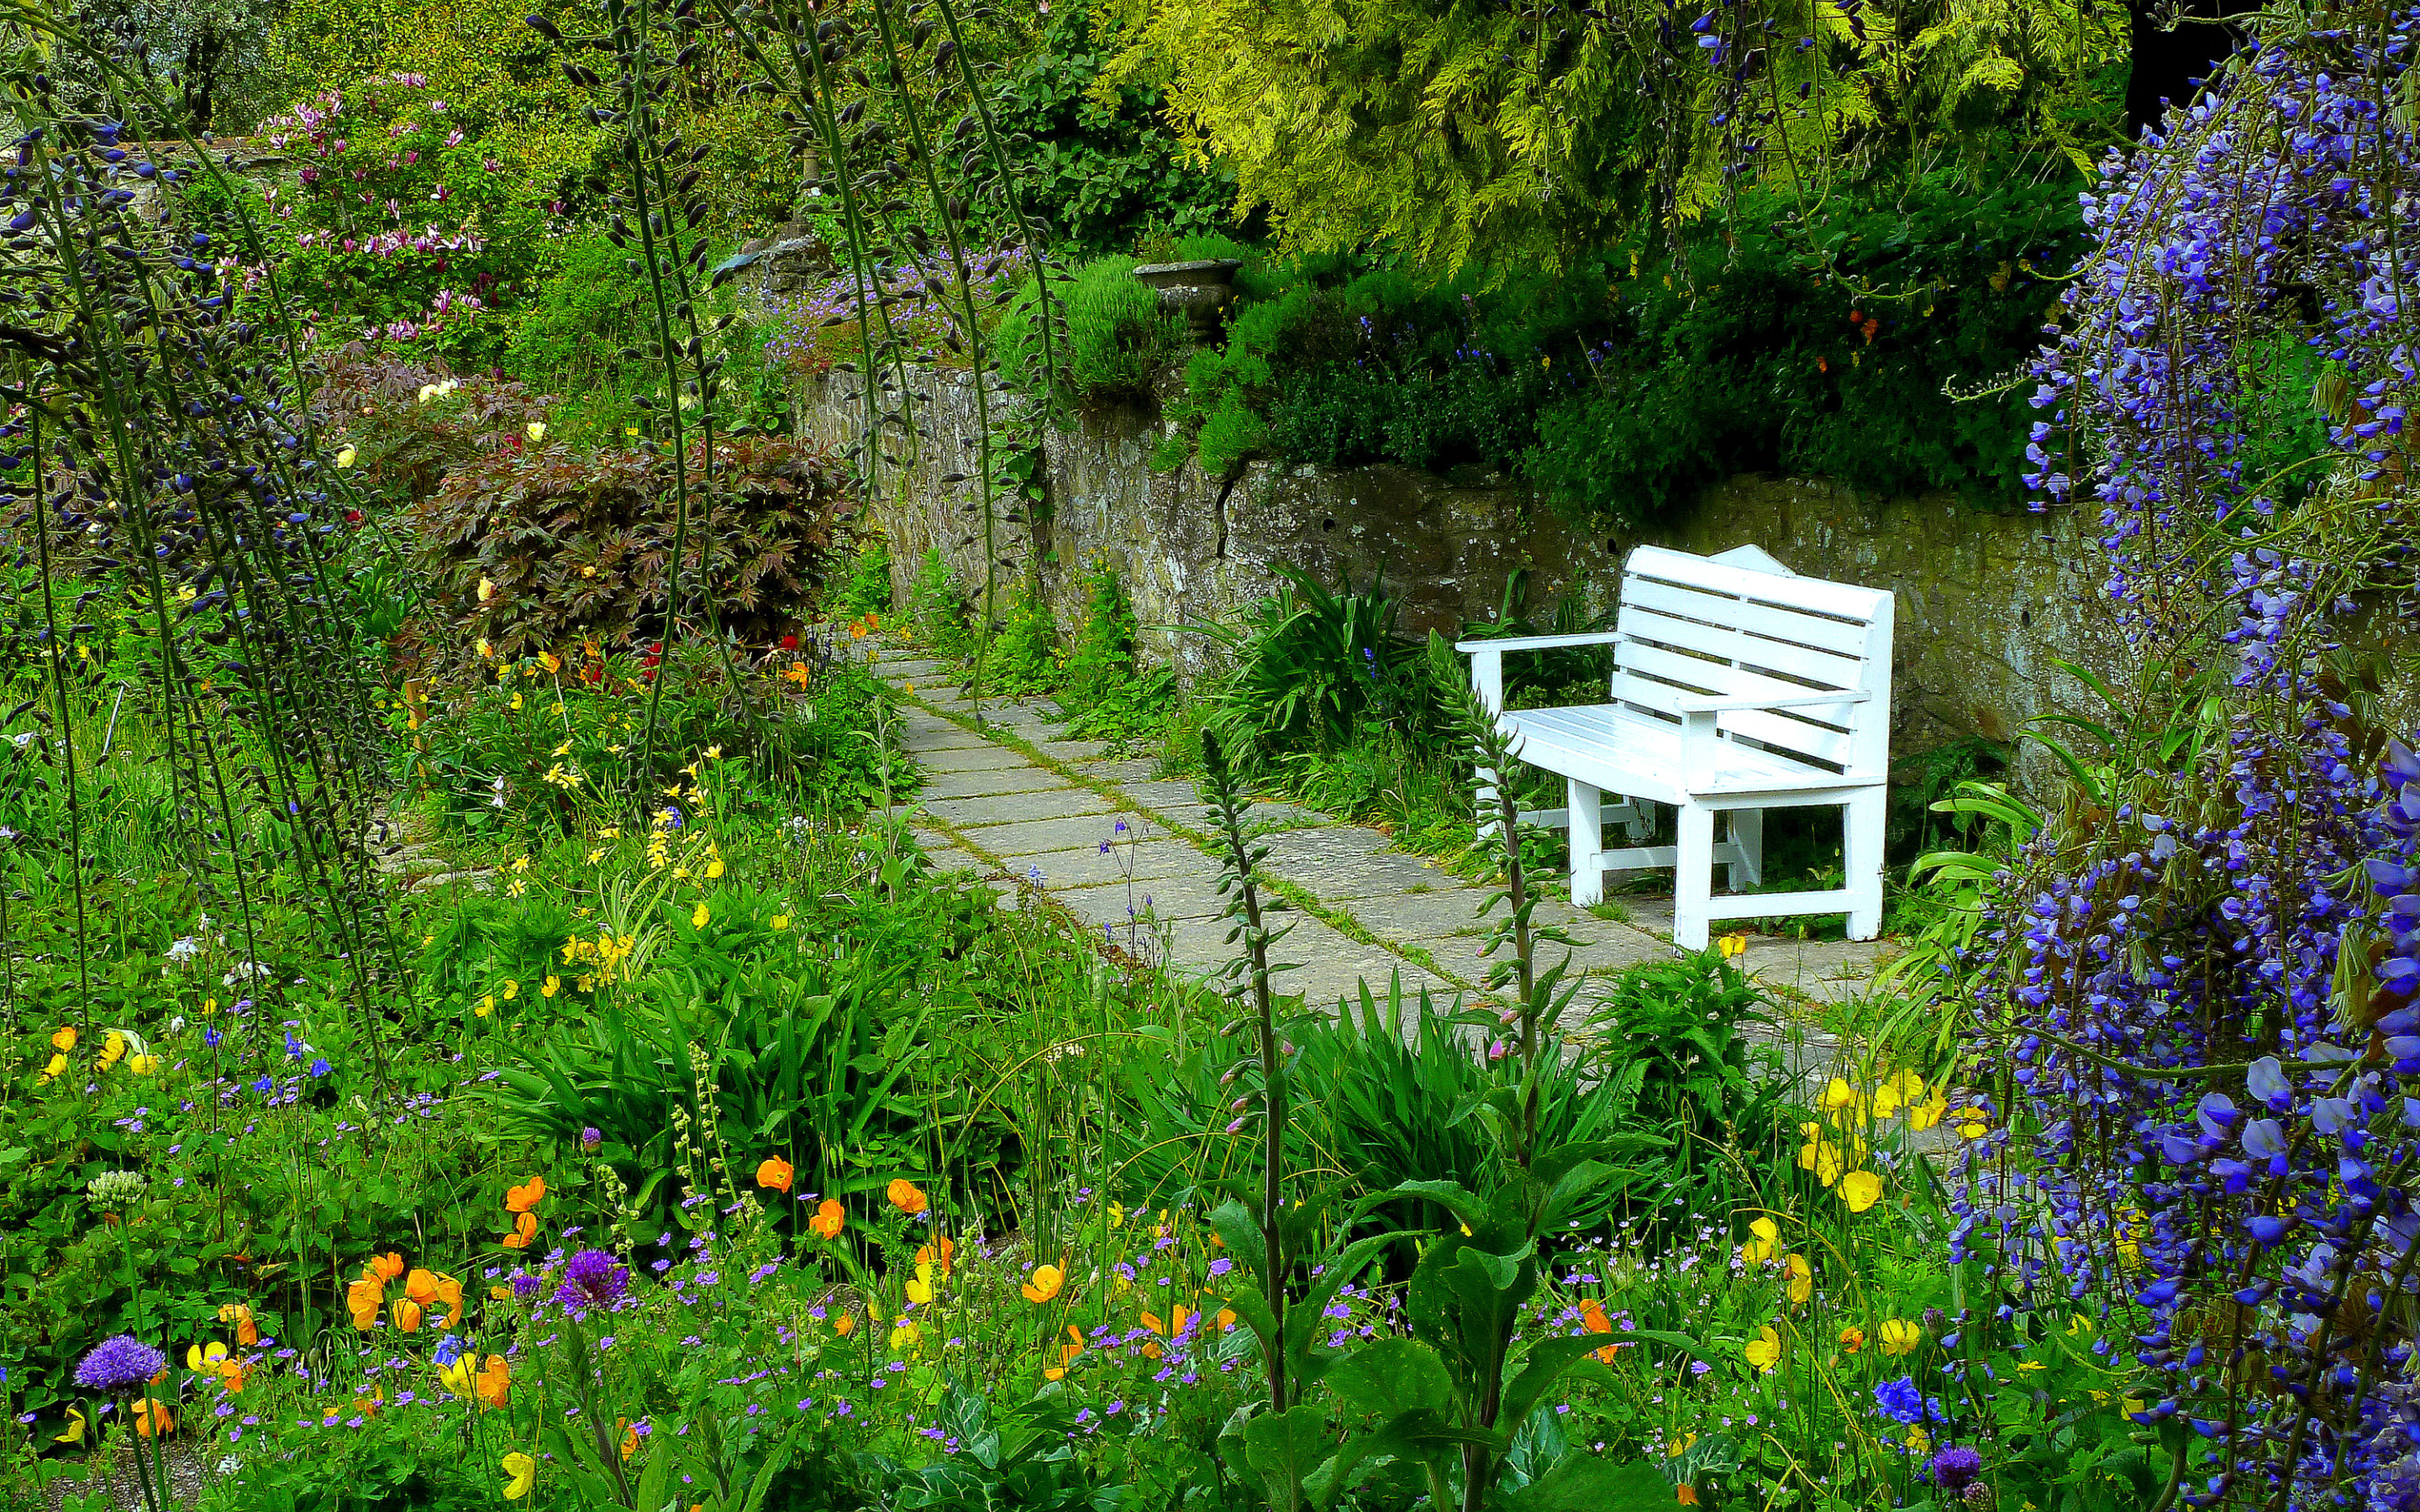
<point x="1801" y="1279"/>
<point x="75" y="1426"/>
<point x="1764" y="1350"/>
<point x="142" y="1065"/>
<point x="1067" y="1352"/>
<point x="459" y="1377"/>
<point x="197" y="1357"/>
<point x="1763" y="1244"/>
<point x="64" y="1038"/>
<point x="152" y="1415"/>
<point x="1837" y="1094"/>
<point x="113" y="1049"/>
<point x="1897" y="1335"/>
<point x="1045" y="1286"/>
<point x="523" y="1473"/>
<point x="697" y="920"/>
<point x="1861" y="1190"/>
<point x="919" y="1288"/>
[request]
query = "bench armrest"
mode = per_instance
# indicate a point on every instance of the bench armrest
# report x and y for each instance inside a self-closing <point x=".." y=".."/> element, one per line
<point x="1694" y="703"/>
<point x="1539" y="642"/>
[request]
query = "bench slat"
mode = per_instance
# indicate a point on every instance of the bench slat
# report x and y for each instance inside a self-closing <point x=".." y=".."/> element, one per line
<point x="1820" y="595"/>
<point x="1813" y="664"/>
<point x="1647" y="751"/>
<point x="1648" y="677"/>
<point x="1842" y="638"/>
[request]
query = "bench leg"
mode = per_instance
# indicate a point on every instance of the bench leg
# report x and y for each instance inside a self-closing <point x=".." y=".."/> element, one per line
<point x="1862" y="859"/>
<point x="1747" y="833"/>
<point x="1693" y="878"/>
<point x="1587" y="843"/>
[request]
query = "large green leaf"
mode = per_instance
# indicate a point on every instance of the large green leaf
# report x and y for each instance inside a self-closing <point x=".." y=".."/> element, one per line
<point x="1284" y="1449"/>
<point x="1582" y="1483"/>
<point x="1389" y="1377"/>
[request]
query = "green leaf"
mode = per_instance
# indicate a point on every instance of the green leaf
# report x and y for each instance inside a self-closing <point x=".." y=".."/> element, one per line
<point x="1389" y="1377"/>
<point x="1284" y="1448"/>
<point x="1451" y="1196"/>
<point x="1582" y="1483"/>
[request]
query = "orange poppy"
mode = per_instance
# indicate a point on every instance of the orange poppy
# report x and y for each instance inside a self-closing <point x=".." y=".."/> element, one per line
<point x="1067" y="1352"/>
<point x="775" y="1173"/>
<point x="385" y="1267"/>
<point x="364" y="1297"/>
<point x="247" y="1332"/>
<point x="524" y="1230"/>
<point x="844" y="1324"/>
<point x="431" y="1288"/>
<point x="151" y="1413"/>
<point x="523" y="1198"/>
<point x="907" y="1195"/>
<point x="828" y="1221"/>
<point x="942" y="1252"/>
<point x="495" y="1381"/>
<point x="629" y="1437"/>
<point x="1592" y="1314"/>
<point x="407" y="1315"/>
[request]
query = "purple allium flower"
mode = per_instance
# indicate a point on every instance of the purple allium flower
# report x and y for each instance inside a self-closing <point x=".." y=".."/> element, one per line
<point x="592" y="1281"/>
<point x="122" y="1363"/>
<point x="527" y="1286"/>
<point x="590" y="1138"/>
<point x="1955" y="1467"/>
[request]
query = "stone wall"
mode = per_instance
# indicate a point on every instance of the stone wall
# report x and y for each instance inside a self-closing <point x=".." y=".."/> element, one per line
<point x="1987" y="601"/>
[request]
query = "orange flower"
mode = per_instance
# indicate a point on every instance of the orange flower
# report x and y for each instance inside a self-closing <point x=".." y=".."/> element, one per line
<point x="828" y="1221"/>
<point x="1852" y="1339"/>
<point x="943" y="1253"/>
<point x="629" y="1437"/>
<point x="775" y="1173"/>
<point x="364" y="1297"/>
<point x="1067" y="1352"/>
<point x="407" y="1315"/>
<point x="844" y="1324"/>
<point x="907" y="1195"/>
<point x="1226" y="1318"/>
<point x="385" y="1267"/>
<point x="431" y="1288"/>
<point x="1592" y="1314"/>
<point x="1688" y="1494"/>
<point x="495" y="1381"/>
<point x="151" y="1414"/>
<point x="522" y="1198"/>
<point x="247" y="1332"/>
<point x="524" y="1230"/>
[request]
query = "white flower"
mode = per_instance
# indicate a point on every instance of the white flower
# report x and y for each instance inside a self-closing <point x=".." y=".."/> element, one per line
<point x="184" y="951"/>
<point x="24" y="738"/>
<point x="177" y="1024"/>
<point x="498" y="788"/>
<point x="244" y="971"/>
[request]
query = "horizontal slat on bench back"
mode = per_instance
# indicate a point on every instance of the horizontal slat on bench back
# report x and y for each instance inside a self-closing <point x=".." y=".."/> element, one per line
<point x="1804" y="734"/>
<point x="1808" y="664"/>
<point x="1842" y="638"/>
<point x="1815" y="596"/>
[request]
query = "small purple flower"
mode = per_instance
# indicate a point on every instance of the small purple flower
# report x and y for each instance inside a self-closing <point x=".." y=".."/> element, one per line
<point x="122" y="1363"/>
<point x="590" y="1138"/>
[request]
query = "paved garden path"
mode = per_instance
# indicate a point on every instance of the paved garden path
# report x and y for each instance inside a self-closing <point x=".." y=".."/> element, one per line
<point x="1011" y="802"/>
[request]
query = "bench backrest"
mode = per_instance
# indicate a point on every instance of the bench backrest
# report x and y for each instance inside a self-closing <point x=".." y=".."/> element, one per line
<point x="1694" y="626"/>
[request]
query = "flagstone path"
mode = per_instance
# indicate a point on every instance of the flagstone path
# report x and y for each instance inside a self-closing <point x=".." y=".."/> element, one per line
<point x="1110" y="840"/>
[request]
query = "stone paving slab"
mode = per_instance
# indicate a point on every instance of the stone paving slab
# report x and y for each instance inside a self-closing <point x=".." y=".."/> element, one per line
<point x="1064" y="832"/>
<point x="1087" y="867"/>
<point x="1012" y="808"/>
<point x="988" y="781"/>
<point x="1174" y="797"/>
<point x="1073" y="752"/>
<point x="1170" y="897"/>
<point x="926" y="733"/>
<point x="984" y="756"/>
<point x="1121" y="769"/>
<point x="1344" y="862"/>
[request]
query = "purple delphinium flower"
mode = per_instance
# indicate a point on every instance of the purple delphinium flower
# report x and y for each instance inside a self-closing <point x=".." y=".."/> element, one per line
<point x="593" y="1282"/>
<point x="123" y="1364"/>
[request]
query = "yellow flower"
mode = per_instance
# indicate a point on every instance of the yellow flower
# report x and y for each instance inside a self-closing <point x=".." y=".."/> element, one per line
<point x="517" y="703"/>
<point x="920" y="1289"/>
<point x="596" y="854"/>
<point x="1860" y="1189"/>
<point x="75" y="1426"/>
<point x="1764" y="1350"/>
<point x="523" y="1471"/>
<point x="142" y="1065"/>
<point x="553" y="985"/>
<point x="781" y="921"/>
<point x="1924" y="1114"/>
<point x="1917" y="1438"/>
<point x="534" y="431"/>
<point x="1117" y="1215"/>
<point x="457" y="1376"/>
<point x="51" y="1071"/>
<point x="482" y="647"/>
<point x="907" y="1339"/>
<point x="1801" y="1279"/>
<point x="1765" y="1244"/>
<point x="345" y="456"/>
<point x="1897" y="1335"/>
<point x="512" y="990"/>
<point x="113" y="1049"/>
<point x="697" y="920"/>
<point x="714" y="869"/>
<point x="1837" y="1094"/>
<point x="197" y="1357"/>
<point x="1045" y="1286"/>
<point x="64" y="1038"/>
<point x="487" y="1005"/>
<point x="1971" y="1124"/>
<point x="1852" y="1339"/>
<point x="1731" y="944"/>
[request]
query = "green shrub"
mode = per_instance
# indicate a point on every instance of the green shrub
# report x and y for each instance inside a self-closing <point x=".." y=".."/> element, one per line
<point x="939" y="608"/>
<point x="1024" y="657"/>
<point x="1114" y="337"/>
<point x="868" y="589"/>
<point x="1106" y="695"/>
<point x="589" y="307"/>
<point x="1306" y="664"/>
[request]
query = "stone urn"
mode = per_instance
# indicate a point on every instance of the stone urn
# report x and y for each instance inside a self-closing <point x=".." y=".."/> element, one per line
<point x="1197" y="290"/>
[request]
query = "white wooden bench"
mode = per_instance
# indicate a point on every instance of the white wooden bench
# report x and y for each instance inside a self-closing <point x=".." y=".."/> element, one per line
<point x="1738" y="687"/>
